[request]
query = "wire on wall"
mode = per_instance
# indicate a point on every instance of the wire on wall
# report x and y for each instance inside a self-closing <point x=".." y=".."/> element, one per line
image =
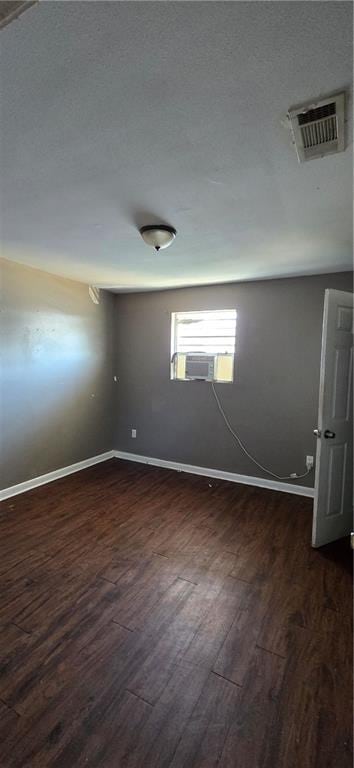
<point x="244" y="449"/>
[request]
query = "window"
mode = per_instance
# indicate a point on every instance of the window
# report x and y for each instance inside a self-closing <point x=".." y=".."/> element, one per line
<point x="203" y="345"/>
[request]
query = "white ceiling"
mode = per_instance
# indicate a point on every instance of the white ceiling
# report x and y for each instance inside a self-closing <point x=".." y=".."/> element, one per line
<point x="121" y="114"/>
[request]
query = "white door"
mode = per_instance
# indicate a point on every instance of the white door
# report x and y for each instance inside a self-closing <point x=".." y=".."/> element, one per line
<point x="333" y="506"/>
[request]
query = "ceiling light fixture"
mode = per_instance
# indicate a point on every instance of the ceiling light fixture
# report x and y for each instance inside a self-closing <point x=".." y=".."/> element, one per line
<point x="158" y="235"/>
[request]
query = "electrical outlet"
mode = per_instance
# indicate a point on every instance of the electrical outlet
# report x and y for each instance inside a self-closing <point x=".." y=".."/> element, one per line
<point x="133" y="432"/>
<point x="309" y="462"/>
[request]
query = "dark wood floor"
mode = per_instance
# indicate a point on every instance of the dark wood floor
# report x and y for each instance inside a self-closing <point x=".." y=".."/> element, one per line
<point x="150" y="618"/>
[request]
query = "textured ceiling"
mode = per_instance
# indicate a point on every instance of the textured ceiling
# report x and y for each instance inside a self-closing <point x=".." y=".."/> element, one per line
<point x="121" y="113"/>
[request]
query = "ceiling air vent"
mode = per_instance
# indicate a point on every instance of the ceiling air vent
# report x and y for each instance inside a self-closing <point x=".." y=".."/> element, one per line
<point x="318" y="128"/>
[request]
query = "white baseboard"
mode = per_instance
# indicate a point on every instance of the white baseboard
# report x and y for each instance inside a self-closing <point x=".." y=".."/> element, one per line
<point x="14" y="490"/>
<point x="219" y="474"/>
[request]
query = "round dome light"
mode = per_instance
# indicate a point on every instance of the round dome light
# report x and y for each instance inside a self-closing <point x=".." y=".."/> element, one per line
<point x="158" y="235"/>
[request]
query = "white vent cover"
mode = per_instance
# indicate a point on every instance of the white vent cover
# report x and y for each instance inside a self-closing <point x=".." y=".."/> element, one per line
<point x="94" y="294"/>
<point x="318" y="127"/>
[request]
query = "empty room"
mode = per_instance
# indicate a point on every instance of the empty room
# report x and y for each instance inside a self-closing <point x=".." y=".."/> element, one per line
<point x="176" y="352"/>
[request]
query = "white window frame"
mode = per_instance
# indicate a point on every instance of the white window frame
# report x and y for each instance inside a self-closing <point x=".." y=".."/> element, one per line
<point x="174" y="351"/>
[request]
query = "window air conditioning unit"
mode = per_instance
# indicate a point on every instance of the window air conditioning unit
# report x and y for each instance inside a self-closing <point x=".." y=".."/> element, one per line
<point x="200" y="367"/>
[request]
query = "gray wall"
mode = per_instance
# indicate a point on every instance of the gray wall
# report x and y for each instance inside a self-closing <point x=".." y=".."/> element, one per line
<point x="273" y="400"/>
<point x="56" y="392"/>
<point x="59" y="351"/>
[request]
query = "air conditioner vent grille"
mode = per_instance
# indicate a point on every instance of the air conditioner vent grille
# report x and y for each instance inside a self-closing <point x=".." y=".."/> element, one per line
<point x="317" y="114"/>
<point x="94" y="294"/>
<point x="319" y="132"/>
<point x="318" y="128"/>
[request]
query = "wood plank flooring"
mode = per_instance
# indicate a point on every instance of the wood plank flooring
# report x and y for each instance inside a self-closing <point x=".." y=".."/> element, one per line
<point x="152" y="619"/>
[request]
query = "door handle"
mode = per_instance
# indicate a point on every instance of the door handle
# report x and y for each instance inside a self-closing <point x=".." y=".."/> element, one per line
<point x="329" y="434"/>
<point x="317" y="432"/>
